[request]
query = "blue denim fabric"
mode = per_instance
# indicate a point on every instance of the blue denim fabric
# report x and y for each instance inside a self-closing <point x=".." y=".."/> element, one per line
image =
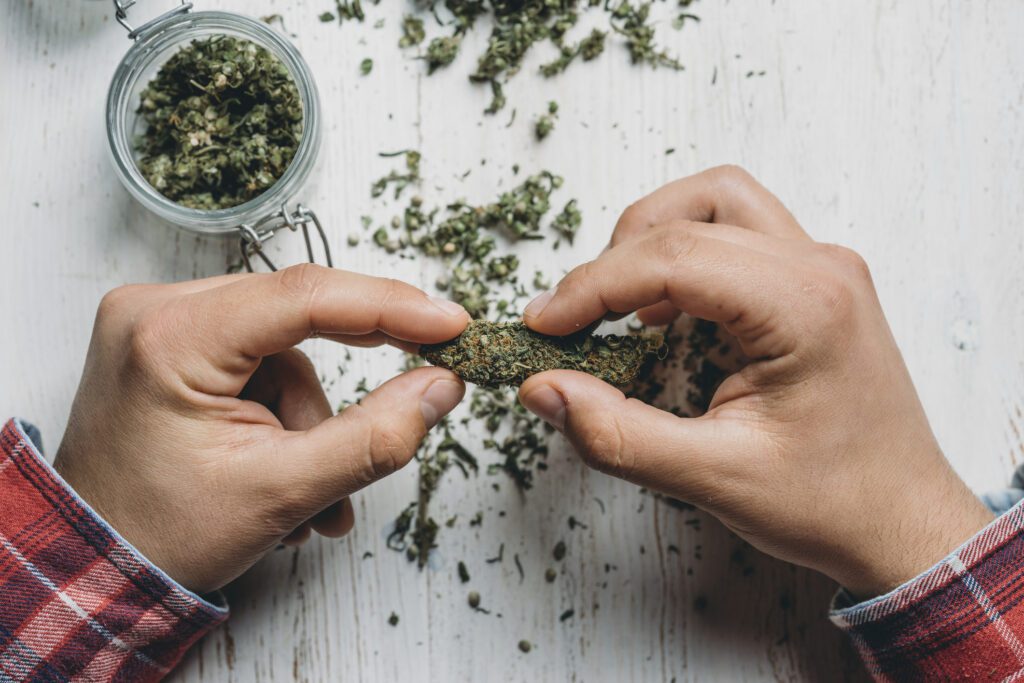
<point x="1002" y="500"/>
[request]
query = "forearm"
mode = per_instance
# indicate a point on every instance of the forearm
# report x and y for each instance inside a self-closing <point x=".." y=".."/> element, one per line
<point x="963" y="618"/>
<point x="77" y="599"/>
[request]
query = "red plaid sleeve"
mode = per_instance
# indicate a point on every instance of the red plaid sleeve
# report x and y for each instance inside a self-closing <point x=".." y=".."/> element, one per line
<point x="962" y="619"/>
<point x="77" y="602"/>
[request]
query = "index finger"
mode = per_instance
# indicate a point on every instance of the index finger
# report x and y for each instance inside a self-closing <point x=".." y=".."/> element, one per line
<point x="726" y="194"/>
<point x="263" y="314"/>
<point x="747" y="290"/>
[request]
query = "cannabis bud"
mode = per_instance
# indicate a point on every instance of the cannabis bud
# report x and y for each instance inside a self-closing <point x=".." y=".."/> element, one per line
<point x="506" y="354"/>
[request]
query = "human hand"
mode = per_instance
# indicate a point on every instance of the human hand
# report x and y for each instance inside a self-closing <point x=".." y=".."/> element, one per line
<point x="205" y="438"/>
<point x="818" y="452"/>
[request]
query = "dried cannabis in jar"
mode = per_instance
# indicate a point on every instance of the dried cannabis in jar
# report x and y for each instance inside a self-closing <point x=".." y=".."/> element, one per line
<point x="223" y="121"/>
<point x="506" y="354"/>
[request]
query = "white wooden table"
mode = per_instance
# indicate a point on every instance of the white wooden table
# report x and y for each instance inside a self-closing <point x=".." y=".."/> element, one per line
<point x="896" y="128"/>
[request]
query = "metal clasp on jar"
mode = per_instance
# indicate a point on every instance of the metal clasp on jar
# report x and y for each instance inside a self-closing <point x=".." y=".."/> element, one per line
<point x="121" y="8"/>
<point x="253" y="236"/>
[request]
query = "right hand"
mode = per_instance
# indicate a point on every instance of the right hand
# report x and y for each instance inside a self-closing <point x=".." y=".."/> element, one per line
<point x="818" y="451"/>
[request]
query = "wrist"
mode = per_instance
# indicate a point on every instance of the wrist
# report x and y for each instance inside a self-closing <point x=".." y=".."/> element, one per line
<point x="927" y="529"/>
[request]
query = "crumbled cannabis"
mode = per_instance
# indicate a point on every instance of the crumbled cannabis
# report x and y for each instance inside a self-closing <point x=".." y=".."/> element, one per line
<point x="632" y="21"/>
<point x="413" y="32"/>
<point x="476" y="244"/>
<point x="399" y="180"/>
<point x="525" y="646"/>
<point x="441" y="52"/>
<point x="506" y="354"/>
<point x="473" y="599"/>
<point x="546" y="123"/>
<point x="517" y="26"/>
<point x="465" y="236"/>
<point x="349" y="9"/>
<point x="393" y="619"/>
<point x="366" y="66"/>
<point x="568" y="222"/>
<point x="223" y="121"/>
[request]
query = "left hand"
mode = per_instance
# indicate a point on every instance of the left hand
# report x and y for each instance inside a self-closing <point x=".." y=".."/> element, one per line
<point x="204" y="437"/>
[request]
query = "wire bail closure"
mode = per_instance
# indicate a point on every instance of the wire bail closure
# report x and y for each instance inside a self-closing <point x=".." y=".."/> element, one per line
<point x="254" y="236"/>
<point x="121" y="8"/>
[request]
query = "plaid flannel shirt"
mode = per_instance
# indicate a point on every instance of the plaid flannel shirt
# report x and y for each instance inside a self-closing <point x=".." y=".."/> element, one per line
<point x="77" y="602"/>
<point x="962" y="619"/>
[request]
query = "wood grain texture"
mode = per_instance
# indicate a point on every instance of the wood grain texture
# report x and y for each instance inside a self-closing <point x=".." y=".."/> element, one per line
<point x="895" y="128"/>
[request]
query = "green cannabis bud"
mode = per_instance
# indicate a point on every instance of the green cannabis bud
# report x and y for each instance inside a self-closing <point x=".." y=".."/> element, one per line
<point x="546" y="123"/>
<point x="441" y="52"/>
<point x="223" y="121"/>
<point x="506" y="354"/>
<point x="413" y="32"/>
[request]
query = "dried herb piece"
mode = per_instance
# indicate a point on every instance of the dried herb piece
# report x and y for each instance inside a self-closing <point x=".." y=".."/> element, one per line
<point x="568" y="222"/>
<point x="592" y="46"/>
<point x="399" y="180"/>
<point x="441" y="52"/>
<point x="223" y="121"/>
<point x="473" y="599"/>
<point x="413" y="32"/>
<point x="366" y="66"/>
<point x="633" y="22"/>
<point x="517" y="26"/>
<point x="467" y="235"/>
<point x="500" y="354"/>
<point x="463" y="572"/>
<point x="546" y="123"/>
<point x="524" y="646"/>
<point x="349" y="9"/>
<point x="559" y="552"/>
<point x="393" y="619"/>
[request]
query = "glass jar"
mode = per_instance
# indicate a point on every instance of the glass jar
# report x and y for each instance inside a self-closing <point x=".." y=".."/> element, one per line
<point x="258" y="219"/>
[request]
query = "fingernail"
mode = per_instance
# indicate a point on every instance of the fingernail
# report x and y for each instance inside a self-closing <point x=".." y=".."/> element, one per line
<point x="547" y="404"/>
<point x="439" y="399"/>
<point x="449" y="307"/>
<point x="538" y="305"/>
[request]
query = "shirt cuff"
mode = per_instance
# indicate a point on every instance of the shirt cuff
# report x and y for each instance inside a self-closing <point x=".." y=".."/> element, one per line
<point x="76" y="599"/>
<point x="963" y="618"/>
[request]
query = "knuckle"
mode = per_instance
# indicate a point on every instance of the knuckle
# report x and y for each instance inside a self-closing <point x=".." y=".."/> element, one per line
<point x="388" y="449"/>
<point x="116" y="303"/>
<point x="577" y="279"/>
<point x="300" y="281"/>
<point x="603" y="447"/>
<point x="730" y="175"/>
<point x="675" y="246"/>
<point x="150" y="335"/>
<point x="833" y="301"/>
<point x="849" y="261"/>
<point x="635" y="217"/>
<point x="391" y="290"/>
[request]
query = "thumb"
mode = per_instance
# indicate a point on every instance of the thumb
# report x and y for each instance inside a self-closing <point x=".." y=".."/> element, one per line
<point x="624" y="437"/>
<point x="370" y="440"/>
